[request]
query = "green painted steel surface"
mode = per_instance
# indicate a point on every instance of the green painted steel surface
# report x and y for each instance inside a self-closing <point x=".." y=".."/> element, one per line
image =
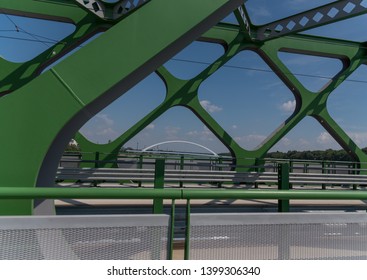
<point x="308" y="104"/>
<point x="158" y="184"/>
<point x="113" y="193"/>
<point x="47" y="110"/>
<point x="283" y="184"/>
<point x="40" y="113"/>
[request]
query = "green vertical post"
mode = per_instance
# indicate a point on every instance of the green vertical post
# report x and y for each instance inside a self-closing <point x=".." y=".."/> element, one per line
<point x="172" y="230"/>
<point x="182" y="164"/>
<point x="323" y="172"/>
<point x="220" y="161"/>
<point x="96" y="160"/>
<point x="158" y="184"/>
<point x="355" y="186"/>
<point x="187" y="231"/>
<point x="283" y="184"/>
<point x="140" y="166"/>
<point x="259" y="167"/>
<point x="290" y="170"/>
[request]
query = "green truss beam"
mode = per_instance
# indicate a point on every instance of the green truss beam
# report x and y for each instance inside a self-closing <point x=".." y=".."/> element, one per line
<point x="185" y="92"/>
<point x="40" y="113"/>
<point x="329" y="13"/>
<point x="50" y="108"/>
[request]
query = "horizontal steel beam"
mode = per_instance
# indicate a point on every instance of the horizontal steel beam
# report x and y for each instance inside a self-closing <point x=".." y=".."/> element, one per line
<point x="106" y="193"/>
<point x="333" y="12"/>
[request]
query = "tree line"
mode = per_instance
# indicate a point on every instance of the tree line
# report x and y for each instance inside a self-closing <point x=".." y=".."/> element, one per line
<point x="329" y="154"/>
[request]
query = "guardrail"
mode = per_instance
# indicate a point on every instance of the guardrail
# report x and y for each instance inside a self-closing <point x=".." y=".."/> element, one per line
<point x="319" y="176"/>
<point x="209" y="162"/>
<point x="175" y="194"/>
<point x="147" y="175"/>
<point x="283" y="178"/>
<point x="116" y="193"/>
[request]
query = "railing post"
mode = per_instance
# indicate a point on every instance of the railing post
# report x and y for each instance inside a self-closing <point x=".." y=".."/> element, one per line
<point x="182" y="164"/>
<point x="158" y="184"/>
<point x="172" y="229"/>
<point x="140" y="166"/>
<point x="283" y="184"/>
<point x="355" y="186"/>
<point x="290" y="170"/>
<point x="323" y="172"/>
<point x="187" y="231"/>
<point x="220" y="161"/>
<point x="96" y="160"/>
<point x="259" y="167"/>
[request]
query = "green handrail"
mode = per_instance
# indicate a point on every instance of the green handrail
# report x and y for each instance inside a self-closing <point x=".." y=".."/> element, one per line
<point x="113" y="193"/>
<point x="109" y="193"/>
<point x="273" y="194"/>
<point x="86" y="193"/>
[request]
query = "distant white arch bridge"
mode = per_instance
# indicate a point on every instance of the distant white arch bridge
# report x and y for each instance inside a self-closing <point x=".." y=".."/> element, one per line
<point x="181" y="141"/>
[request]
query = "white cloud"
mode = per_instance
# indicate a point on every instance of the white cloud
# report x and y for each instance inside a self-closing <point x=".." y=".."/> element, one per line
<point x="107" y="121"/>
<point x="100" y="129"/>
<point x="150" y="126"/>
<point x="285" y="141"/>
<point x="325" y="138"/>
<point x="251" y="138"/>
<point x="304" y="142"/>
<point x="324" y="141"/>
<point x="234" y="126"/>
<point x="108" y="132"/>
<point x="172" y="132"/>
<point x="211" y="108"/>
<point x="289" y="106"/>
<point x="204" y="135"/>
<point x="360" y="138"/>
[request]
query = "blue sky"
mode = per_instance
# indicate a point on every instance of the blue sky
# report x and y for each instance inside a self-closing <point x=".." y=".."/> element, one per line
<point x="249" y="103"/>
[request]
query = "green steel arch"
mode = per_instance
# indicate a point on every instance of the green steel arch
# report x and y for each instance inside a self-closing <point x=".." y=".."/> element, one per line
<point x="40" y="113"/>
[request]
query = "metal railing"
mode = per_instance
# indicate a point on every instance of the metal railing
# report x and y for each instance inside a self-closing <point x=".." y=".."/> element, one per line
<point x="300" y="173"/>
<point x="176" y="194"/>
<point x="283" y="179"/>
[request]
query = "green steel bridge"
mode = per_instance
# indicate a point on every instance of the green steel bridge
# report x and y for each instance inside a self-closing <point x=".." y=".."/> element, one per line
<point x="90" y="79"/>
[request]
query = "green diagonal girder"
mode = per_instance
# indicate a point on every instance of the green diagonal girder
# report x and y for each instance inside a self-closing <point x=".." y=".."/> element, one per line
<point x="296" y="24"/>
<point x="15" y="75"/>
<point x="185" y="93"/>
<point x="40" y="117"/>
<point x="66" y="10"/>
<point x="315" y="104"/>
<point x="179" y="93"/>
<point x="42" y="113"/>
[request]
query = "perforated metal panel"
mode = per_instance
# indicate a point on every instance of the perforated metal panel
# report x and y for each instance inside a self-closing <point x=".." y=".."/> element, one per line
<point x="279" y="236"/>
<point x="84" y="237"/>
